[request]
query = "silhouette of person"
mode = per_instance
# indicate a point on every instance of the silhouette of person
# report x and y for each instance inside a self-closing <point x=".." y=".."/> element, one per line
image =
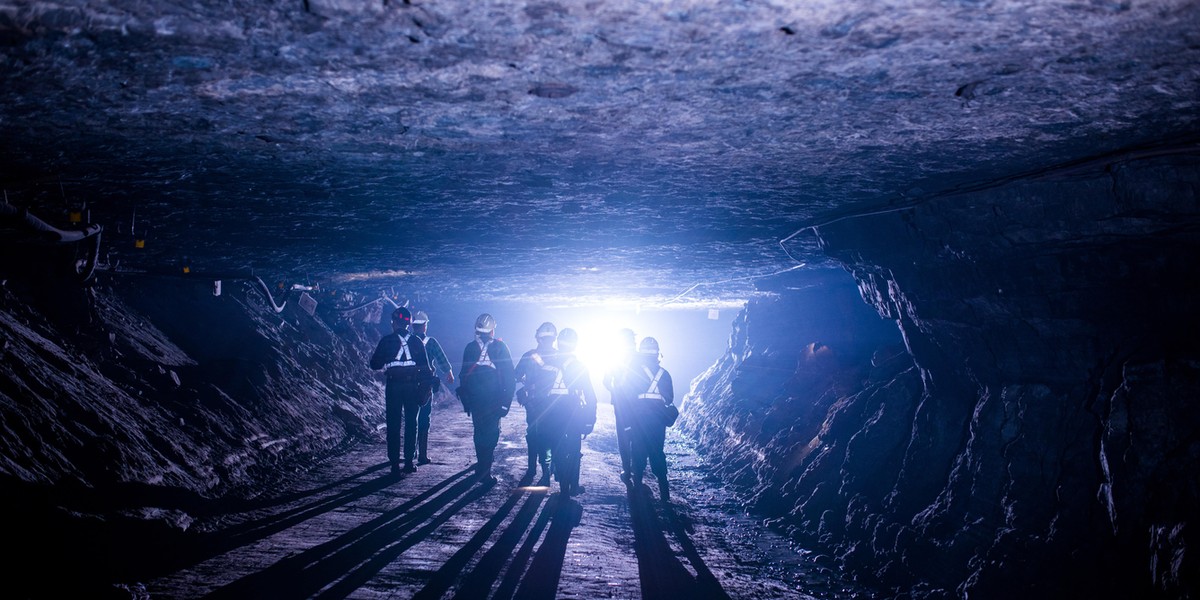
<point x="651" y="412"/>
<point x="409" y="385"/>
<point x="541" y="380"/>
<point x="614" y="381"/>
<point x="571" y="416"/>
<point x="486" y="390"/>
<point x="441" y="366"/>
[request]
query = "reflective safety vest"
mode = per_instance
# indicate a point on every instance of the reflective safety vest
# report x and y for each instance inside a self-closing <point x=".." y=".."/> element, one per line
<point x="484" y="360"/>
<point x="652" y="392"/>
<point x="403" y="357"/>
<point x="560" y="386"/>
<point x="546" y="379"/>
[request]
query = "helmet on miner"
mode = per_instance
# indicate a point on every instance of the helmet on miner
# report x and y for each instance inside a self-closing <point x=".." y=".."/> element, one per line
<point x="625" y="338"/>
<point x="567" y="340"/>
<point x="401" y="317"/>
<point x="485" y="323"/>
<point x="649" y="347"/>
<point x="420" y="323"/>
<point x="546" y="329"/>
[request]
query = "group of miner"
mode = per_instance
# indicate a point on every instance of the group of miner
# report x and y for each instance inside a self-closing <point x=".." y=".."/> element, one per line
<point x="549" y="381"/>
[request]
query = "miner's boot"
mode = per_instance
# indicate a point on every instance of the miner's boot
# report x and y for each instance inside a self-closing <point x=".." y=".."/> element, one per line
<point x="533" y="458"/>
<point x="484" y="474"/>
<point x="423" y="448"/>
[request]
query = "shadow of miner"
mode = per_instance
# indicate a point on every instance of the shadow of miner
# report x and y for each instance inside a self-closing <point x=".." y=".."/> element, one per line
<point x="516" y="567"/>
<point x="706" y="584"/>
<point x="662" y="574"/>
<point x="296" y="496"/>
<point x="353" y="557"/>
<point x="478" y="584"/>
<point x="252" y="531"/>
<point x="540" y="582"/>
<point x="137" y="550"/>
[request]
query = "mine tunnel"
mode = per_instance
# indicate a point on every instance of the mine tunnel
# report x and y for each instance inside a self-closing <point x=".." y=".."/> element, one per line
<point x="923" y="276"/>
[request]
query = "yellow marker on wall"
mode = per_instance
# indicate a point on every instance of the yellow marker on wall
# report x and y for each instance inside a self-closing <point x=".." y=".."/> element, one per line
<point x="139" y="243"/>
<point x="75" y="216"/>
<point x="187" y="269"/>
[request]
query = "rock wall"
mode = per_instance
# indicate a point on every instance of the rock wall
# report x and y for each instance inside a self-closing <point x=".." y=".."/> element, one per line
<point x="1037" y="436"/>
<point x="157" y="382"/>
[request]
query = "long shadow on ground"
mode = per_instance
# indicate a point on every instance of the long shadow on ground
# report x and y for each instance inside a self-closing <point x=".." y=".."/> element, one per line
<point x="493" y="560"/>
<point x="516" y="568"/>
<point x="123" y="548"/>
<point x="541" y="581"/>
<point x="663" y="576"/>
<point x="352" y="558"/>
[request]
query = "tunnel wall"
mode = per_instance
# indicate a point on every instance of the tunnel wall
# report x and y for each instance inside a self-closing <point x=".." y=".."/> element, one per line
<point x="138" y="381"/>
<point x="1038" y="433"/>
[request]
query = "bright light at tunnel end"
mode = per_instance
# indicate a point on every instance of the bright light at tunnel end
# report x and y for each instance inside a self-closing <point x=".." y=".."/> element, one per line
<point x="599" y="347"/>
<point x="692" y="334"/>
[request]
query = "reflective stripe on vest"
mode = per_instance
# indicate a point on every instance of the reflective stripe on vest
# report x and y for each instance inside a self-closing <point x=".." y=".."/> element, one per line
<point x="652" y="393"/>
<point x="484" y="360"/>
<point x="403" y="357"/>
<point x="560" y="387"/>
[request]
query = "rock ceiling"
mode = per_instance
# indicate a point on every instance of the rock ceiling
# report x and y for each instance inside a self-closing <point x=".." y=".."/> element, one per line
<point x="597" y="149"/>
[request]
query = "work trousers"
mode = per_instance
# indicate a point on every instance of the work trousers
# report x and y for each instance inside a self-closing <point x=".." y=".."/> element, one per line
<point x="647" y="445"/>
<point x="402" y="401"/>
<point x="487" y="436"/>
<point x="624" y="436"/>
<point x="565" y="445"/>
<point x="536" y="438"/>
<point x="567" y="455"/>
<point x="423" y="429"/>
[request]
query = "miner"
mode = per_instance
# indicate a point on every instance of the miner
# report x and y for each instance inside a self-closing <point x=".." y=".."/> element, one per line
<point x="571" y="416"/>
<point x="486" y="385"/>
<point x="401" y="356"/>
<point x="614" y="381"/>
<point x="541" y="381"/>
<point x="441" y="366"/>
<point x="651" y="411"/>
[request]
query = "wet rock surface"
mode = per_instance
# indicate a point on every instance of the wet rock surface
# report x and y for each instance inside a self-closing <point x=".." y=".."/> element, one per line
<point x="163" y="383"/>
<point x="982" y="457"/>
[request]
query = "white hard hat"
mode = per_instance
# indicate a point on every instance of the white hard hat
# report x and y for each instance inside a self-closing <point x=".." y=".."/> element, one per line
<point x="420" y="318"/>
<point x="567" y="339"/>
<point x="485" y="323"/>
<point x="546" y="329"/>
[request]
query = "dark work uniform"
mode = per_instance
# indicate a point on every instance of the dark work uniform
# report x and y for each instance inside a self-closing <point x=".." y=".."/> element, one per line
<point x="403" y="357"/>
<point x="620" y="398"/>
<point x="441" y="366"/>
<point x="486" y="389"/>
<point x="570" y="417"/>
<point x="649" y="431"/>
<point x="542" y="380"/>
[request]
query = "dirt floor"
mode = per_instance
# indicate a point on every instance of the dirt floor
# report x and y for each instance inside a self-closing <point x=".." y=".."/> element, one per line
<point x="348" y="529"/>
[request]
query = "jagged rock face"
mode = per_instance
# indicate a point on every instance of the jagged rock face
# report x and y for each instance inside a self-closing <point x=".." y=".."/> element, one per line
<point x="165" y="384"/>
<point x="1038" y="436"/>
